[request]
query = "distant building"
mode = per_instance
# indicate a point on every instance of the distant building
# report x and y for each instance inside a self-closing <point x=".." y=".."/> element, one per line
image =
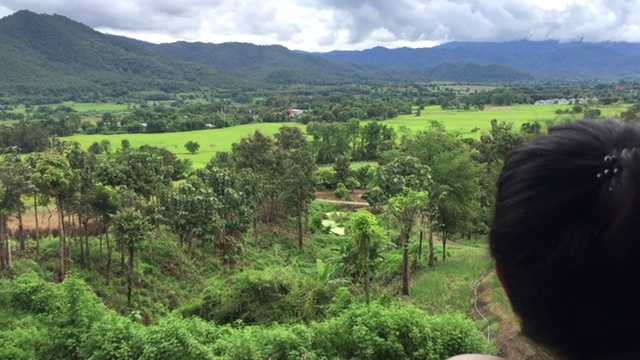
<point x="294" y="112"/>
<point x="564" y="101"/>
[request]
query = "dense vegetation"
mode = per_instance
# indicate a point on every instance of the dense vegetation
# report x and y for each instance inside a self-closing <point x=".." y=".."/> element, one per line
<point x="123" y="223"/>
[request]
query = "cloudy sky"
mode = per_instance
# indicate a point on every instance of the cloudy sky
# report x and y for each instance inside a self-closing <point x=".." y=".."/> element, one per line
<point x="324" y="25"/>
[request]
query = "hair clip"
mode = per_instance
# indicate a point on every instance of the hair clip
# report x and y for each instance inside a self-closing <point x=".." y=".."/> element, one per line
<point x="611" y="168"/>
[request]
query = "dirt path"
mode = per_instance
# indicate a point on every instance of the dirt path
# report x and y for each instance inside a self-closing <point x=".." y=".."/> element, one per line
<point x="342" y="202"/>
<point x="511" y="344"/>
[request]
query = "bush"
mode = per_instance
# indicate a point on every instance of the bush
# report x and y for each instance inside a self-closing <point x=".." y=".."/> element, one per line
<point x="341" y="191"/>
<point x="33" y="294"/>
<point x="315" y="225"/>
<point x="378" y="332"/>
<point x="113" y="337"/>
<point x="177" y="338"/>
<point x="326" y="179"/>
<point x="279" y="295"/>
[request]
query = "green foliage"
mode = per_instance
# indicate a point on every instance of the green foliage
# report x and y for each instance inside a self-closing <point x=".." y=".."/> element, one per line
<point x="192" y="146"/>
<point x="378" y="332"/>
<point x="176" y="338"/>
<point x="112" y="337"/>
<point x="264" y="297"/>
<point x="78" y="312"/>
<point x="341" y="191"/>
<point x="33" y="294"/>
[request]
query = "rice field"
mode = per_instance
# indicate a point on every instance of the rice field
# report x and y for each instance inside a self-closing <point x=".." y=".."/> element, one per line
<point x="468" y="123"/>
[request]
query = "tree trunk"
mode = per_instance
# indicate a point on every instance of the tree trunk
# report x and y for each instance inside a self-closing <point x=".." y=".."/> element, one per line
<point x="130" y="277"/>
<point x="61" y="245"/>
<point x="445" y="235"/>
<point x="432" y="259"/>
<point x="81" y="241"/>
<point x="9" y="262"/>
<point x="23" y="246"/>
<point x="109" y="254"/>
<point x="35" y="210"/>
<point x="121" y="248"/>
<point x="299" y="219"/>
<point x="405" y="265"/>
<point x="86" y="243"/>
<point x="49" y="222"/>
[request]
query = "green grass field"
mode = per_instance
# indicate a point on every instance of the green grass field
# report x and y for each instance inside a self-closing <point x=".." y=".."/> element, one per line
<point x="464" y="122"/>
<point x="211" y="141"/>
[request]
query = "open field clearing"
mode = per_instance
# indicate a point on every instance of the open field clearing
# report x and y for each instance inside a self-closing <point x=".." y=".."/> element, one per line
<point x="211" y="141"/>
<point x="465" y="121"/>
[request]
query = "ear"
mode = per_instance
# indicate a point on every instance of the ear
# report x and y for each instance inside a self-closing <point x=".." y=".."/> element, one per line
<point x="502" y="282"/>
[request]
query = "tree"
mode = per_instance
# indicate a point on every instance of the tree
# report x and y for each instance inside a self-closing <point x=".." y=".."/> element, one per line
<point x="342" y="167"/>
<point x="367" y="237"/>
<point x="299" y="183"/>
<point x="192" y="211"/>
<point x="131" y="229"/>
<point x="192" y="146"/>
<point x="95" y="148"/>
<point x="105" y="202"/>
<point x="405" y="208"/>
<point x="54" y="176"/>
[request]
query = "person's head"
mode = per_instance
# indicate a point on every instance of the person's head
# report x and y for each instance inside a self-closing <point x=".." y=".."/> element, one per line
<point x="566" y="239"/>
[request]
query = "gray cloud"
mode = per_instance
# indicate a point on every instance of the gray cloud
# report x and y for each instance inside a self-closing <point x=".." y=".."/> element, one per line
<point x="329" y="24"/>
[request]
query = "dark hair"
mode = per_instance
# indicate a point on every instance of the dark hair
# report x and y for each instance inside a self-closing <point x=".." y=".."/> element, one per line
<point x="566" y="238"/>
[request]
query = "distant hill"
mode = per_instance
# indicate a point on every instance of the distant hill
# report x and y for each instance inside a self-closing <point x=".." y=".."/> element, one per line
<point x="53" y="55"/>
<point x="274" y="63"/>
<point x="549" y="58"/>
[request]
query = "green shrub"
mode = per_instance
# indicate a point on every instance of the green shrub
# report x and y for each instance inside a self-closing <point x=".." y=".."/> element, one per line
<point x="113" y="337"/>
<point x="274" y="342"/>
<point x="280" y="295"/>
<point x="177" y="338"/>
<point x="33" y="294"/>
<point x="341" y="191"/>
<point x="379" y="332"/>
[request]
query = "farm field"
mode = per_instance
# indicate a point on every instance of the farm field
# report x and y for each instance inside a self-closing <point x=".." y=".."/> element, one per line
<point x="464" y="122"/>
<point x="211" y="141"/>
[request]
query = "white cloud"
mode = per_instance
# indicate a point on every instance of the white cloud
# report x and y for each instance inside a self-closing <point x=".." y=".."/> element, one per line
<point x="323" y="25"/>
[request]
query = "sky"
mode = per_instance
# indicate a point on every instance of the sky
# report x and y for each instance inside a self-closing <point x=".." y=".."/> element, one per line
<point x="325" y="25"/>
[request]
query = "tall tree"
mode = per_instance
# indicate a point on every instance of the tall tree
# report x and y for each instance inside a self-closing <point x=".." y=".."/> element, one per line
<point x="131" y="229"/>
<point x="54" y="176"/>
<point x="405" y="209"/>
<point x="368" y="238"/>
<point x="298" y="181"/>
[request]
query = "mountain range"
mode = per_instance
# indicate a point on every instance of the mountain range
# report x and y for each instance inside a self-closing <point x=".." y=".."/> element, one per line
<point x="542" y="58"/>
<point x="51" y="55"/>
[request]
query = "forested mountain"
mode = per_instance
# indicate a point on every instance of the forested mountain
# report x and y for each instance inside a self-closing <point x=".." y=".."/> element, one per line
<point x="274" y="63"/>
<point x="50" y="55"/>
<point x="544" y="57"/>
<point x="53" y="57"/>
